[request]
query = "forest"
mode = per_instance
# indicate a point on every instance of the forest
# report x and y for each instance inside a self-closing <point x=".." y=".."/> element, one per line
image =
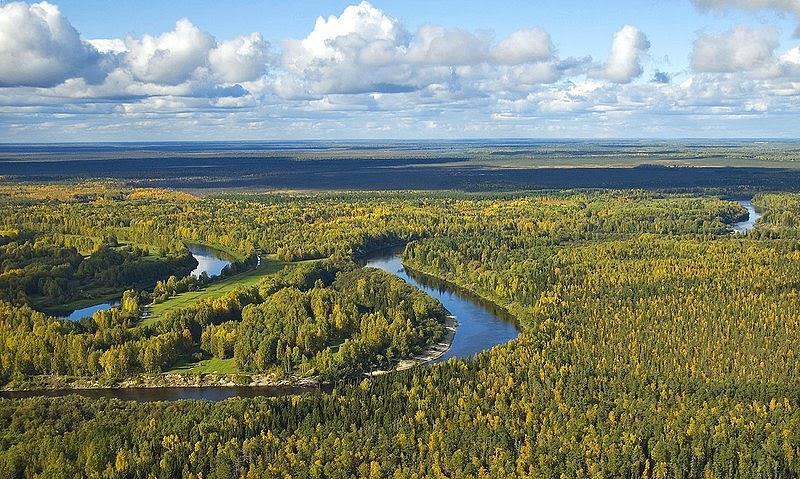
<point x="655" y="342"/>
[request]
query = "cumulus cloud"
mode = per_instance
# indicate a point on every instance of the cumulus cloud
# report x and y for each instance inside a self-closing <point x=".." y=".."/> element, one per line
<point x="39" y="47"/>
<point x="781" y="6"/>
<point x="362" y="69"/>
<point x="170" y="58"/>
<point x="355" y="52"/>
<point x="790" y="63"/>
<point x="741" y="49"/>
<point x="362" y="32"/>
<point x="523" y="46"/>
<point x="364" y="50"/>
<point x="434" y="45"/>
<point x="661" y="77"/>
<point x="624" y="58"/>
<point x="188" y="55"/>
<point x="240" y="59"/>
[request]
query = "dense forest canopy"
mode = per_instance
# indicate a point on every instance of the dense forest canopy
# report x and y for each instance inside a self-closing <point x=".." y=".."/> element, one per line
<point x="655" y="343"/>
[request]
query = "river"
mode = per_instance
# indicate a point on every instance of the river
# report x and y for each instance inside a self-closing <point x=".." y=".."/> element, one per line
<point x="209" y="260"/>
<point x="88" y="311"/>
<point x="750" y="223"/>
<point x="481" y="325"/>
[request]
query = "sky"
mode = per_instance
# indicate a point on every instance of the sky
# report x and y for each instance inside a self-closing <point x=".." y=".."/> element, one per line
<point x="93" y="70"/>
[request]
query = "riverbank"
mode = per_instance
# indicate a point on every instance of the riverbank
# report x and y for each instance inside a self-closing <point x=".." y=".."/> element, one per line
<point x="154" y="381"/>
<point x="746" y="223"/>
<point x="430" y="354"/>
<point x="482" y="323"/>
<point x="486" y="301"/>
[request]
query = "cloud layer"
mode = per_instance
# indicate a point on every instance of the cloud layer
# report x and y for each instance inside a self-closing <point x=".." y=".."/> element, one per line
<point x="364" y="72"/>
<point x="791" y="7"/>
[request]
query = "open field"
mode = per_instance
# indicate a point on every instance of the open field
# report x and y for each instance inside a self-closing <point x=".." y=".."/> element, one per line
<point x="269" y="265"/>
<point x="205" y="366"/>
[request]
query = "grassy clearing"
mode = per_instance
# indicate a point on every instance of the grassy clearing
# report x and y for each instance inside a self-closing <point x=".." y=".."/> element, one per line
<point x="269" y="265"/>
<point x="205" y="366"/>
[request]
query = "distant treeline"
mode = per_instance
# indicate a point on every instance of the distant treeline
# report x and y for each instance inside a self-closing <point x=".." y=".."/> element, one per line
<point x="481" y="169"/>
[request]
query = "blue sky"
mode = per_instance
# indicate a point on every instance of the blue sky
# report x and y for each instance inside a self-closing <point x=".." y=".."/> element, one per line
<point x="83" y="70"/>
<point x="577" y="27"/>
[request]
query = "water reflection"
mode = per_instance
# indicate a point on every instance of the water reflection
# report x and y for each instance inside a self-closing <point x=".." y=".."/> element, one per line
<point x="87" y="312"/>
<point x="481" y="324"/>
<point x="171" y="393"/>
<point x="209" y="260"/>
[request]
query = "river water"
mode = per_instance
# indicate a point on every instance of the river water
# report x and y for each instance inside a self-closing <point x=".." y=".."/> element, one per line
<point x="209" y="260"/>
<point x="750" y="223"/>
<point x="168" y="393"/>
<point x="481" y="324"/>
<point x="87" y="312"/>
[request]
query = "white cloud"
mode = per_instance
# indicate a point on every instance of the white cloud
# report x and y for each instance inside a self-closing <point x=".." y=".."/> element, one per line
<point x="434" y="45"/>
<point x="189" y="54"/>
<point x="792" y="56"/>
<point x="240" y="59"/>
<point x="523" y="46"/>
<point x="789" y="63"/>
<point x="354" y="52"/>
<point x="363" y="71"/>
<point x="364" y="50"/>
<point x="624" y="59"/>
<point x="741" y="49"/>
<point x="359" y="27"/>
<point x="170" y="58"/>
<point x="532" y="74"/>
<point x="39" y="47"/>
<point x="109" y="45"/>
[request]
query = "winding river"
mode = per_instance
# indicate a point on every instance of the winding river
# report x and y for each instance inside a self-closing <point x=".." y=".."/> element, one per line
<point x="481" y="325"/>
<point x="750" y="223"/>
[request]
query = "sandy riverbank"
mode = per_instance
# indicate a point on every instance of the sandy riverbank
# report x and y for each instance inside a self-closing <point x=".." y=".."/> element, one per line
<point x="159" y="381"/>
<point x="430" y="354"/>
